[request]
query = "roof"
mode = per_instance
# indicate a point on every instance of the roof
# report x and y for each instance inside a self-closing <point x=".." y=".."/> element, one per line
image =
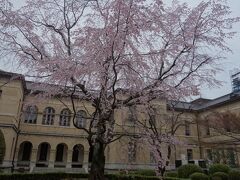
<point x="199" y="104"/>
<point x="202" y="104"/>
<point x="13" y="76"/>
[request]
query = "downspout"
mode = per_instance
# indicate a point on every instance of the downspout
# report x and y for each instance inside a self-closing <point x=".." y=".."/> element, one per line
<point x="18" y="132"/>
<point x="199" y="139"/>
<point x="15" y="147"/>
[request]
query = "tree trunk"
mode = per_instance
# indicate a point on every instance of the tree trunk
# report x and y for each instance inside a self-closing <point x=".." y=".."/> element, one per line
<point x="98" y="162"/>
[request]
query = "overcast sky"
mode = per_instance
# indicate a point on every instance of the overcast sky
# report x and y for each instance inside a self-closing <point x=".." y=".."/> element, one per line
<point x="232" y="61"/>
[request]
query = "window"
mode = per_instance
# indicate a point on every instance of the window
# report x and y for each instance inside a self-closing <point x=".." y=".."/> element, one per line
<point x="77" y="156"/>
<point x="152" y="158"/>
<point x="231" y="159"/>
<point x="207" y="129"/>
<point x="227" y="127"/>
<point x="132" y="114"/>
<point x="44" y="148"/>
<point x="209" y="154"/>
<point x="81" y="117"/>
<point x="30" y="115"/>
<point x="152" y="116"/>
<point x="189" y="154"/>
<point x="27" y="149"/>
<point x="59" y="154"/>
<point x="65" y="117"/>
<point x="48" y="116"/>
<point x="132" y="151"/>
<point x="187" y="128"/>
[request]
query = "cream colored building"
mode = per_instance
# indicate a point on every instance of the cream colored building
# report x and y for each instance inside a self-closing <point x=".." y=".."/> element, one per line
<point x="42" y="137"/>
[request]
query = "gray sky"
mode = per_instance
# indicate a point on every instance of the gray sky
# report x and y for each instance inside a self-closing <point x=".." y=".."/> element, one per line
<point x="232" y="61"/>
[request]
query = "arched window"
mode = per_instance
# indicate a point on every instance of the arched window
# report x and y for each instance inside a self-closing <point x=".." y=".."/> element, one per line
<point x="61" y="153"/>
<point x="43" y="151"/>
<point x="65" y="117"/>
<point x="132" y="147"/>
<point x="77" y="156"/>
<point x="48" y="116"/>
<point x="25" y="151"/>
<point x="31" y="114"/>
<point x="81" y="118"/>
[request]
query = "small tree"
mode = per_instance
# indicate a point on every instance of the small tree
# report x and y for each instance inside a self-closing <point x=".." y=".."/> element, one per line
<point x="226" y="124"/>
<point x="223" y="123"/>
<point x="159" y="130"/>
<point x="91" y="48"/>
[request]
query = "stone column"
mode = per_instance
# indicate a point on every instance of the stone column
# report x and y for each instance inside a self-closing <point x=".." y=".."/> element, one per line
<point x="69" y="159"/>
<point x="85" y="161"/>
<point x="51" y="158"/>
<point x="9" y="163"/>
<point x="33" y="160"/>
<point x="39" y="119"/>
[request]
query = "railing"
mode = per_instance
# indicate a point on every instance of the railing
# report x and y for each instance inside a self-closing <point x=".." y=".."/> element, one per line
<point x="23" y="163"/>
<point x="42" y="164"/>
<point x="60" y="164"/>
<point x="77" y="165"/>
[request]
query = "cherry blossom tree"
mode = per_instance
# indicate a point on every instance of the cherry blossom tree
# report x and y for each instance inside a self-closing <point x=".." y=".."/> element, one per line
<point x="224" y="128"/>
<point x="93" y="48"/>
<point x="159" y="130"/>
<point x="223" y="123"/>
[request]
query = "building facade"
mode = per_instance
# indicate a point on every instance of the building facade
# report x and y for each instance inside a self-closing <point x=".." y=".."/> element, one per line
<point x="40" y="135"/>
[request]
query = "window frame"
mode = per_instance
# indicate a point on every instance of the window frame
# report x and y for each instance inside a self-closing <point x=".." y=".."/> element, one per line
<point x="81" y="119"/>
<point x="65" y="117"/>
<point x="29" y="112"/>
<point x="48" y="116"/>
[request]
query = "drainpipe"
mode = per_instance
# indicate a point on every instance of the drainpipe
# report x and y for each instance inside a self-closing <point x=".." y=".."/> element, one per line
<point x="198" y="133"/>
<point x="16" y="142"/>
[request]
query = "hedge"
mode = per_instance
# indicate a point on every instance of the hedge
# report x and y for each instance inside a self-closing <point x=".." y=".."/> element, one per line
<point x="129" y="177"/>
<point x="42" y="176"/>
<point x="234" y="175"/>
<point x="220" y="175"/>
<point x="171" y="174"/>
<point x="144" y="172"/>
<point x="66" y="176"/>
<point x="199" y="176"/>
<point x="186" y="170"/>
<point x="218" y="168"/>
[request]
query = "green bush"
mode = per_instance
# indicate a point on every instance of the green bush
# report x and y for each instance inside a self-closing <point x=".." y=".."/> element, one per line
<point x="171" y="178"/>
<point x="42" y="176"/>
<point x="199" y="176"/>
<point x="220" y="176"/>
<point x="234" y="175"/>
<point x="144" y="172"/>
<point x="186" y="170"/>
<point x="171" y="174"/>
<point x="129" y="177"/>
<point x="218" y="168"/>
<point x="69" y="176"/>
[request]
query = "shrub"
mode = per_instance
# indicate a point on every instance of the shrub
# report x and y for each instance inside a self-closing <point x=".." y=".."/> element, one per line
<point x="234" y="175"/>
<point x="42" y="176"/>
<point x="220" y="176"/>
<point x="186" y="170"/>
<point x="218" y="168"/>
<point x="129" y="177"/>
<point x="170" y="178"/>
<point x="171" y="174"/>
<point x="144" y="172"/>
<point x="199" y="176"/>
<point x="70" y="176"/>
